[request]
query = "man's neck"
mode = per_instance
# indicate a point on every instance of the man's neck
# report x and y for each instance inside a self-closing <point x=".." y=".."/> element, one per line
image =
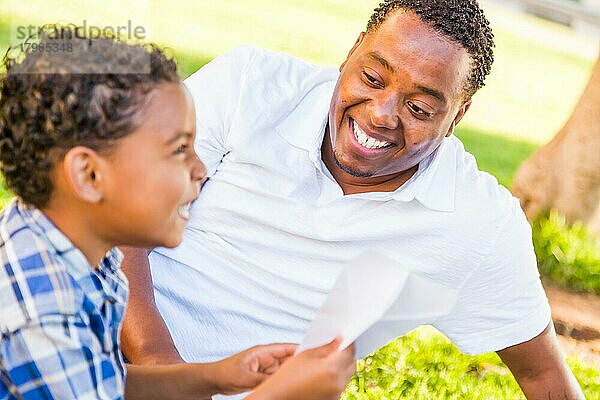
<point x="354" y="185"/>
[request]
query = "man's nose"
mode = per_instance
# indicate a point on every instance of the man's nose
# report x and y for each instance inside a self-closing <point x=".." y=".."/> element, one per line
<point x="385" y="113"/>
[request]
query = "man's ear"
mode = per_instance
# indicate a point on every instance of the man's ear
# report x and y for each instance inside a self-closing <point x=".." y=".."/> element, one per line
<point x="359" y="40"/>
<point x="459" y="115"/>
<point x="83" y="171"/>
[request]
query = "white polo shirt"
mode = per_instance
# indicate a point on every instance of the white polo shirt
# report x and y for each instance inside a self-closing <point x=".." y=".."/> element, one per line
<point x="272" y="229"/>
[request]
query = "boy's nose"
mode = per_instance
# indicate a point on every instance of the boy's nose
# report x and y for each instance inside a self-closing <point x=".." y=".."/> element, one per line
<point x="199" y="171"/>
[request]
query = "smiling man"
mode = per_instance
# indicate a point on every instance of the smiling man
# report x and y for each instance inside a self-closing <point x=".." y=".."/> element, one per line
<point x="310" y="166"/>
<point x="403" y="88"/>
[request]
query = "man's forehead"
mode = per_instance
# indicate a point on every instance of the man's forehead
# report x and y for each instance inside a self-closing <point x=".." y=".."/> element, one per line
<point x="408" y="29"/>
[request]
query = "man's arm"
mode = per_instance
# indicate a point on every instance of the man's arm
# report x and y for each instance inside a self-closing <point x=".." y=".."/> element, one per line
<point x="540" y="368"/>
<point x="145" y="337"/>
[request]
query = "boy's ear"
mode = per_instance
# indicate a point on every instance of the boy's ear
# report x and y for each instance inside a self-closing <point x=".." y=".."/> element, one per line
<point x="83" y="171"/>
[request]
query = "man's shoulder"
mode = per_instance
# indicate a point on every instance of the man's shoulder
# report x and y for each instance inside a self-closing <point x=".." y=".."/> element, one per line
<point x="241" y="57"/>
<point x="479" y="185"/>
<point x="279" y="64"/>
<point x="248" y="91"/>
<point x="34" y="282"/>
<point x="479" y="194"/>
<point x="263" y="72"/>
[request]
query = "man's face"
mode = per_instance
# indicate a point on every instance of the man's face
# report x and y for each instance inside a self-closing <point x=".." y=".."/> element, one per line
<point x="399" y="94"/>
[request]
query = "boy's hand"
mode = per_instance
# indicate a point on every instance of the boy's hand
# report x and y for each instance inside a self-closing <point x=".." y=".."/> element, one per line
<point x="244" y="371"/>
<point x="321" y="373"/>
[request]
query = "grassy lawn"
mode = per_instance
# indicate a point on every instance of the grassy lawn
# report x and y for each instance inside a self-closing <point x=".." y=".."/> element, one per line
<point x="424" y="365"/>
<point x="532" y="90"/>
<point x="516" y="102"/>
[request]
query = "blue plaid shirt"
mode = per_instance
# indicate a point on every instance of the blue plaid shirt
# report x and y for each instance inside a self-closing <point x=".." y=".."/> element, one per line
<point x="60" y="319"/>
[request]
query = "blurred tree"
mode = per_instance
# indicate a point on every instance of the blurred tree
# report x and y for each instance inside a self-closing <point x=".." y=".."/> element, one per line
<point x="565" y="173"/>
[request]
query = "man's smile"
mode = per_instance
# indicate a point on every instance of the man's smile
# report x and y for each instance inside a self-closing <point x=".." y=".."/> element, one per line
<point x="366" y="144"/>
<point x="366" y="140"/>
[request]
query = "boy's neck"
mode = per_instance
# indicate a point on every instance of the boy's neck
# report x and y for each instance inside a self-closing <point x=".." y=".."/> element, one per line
<point x="79" y="229"/>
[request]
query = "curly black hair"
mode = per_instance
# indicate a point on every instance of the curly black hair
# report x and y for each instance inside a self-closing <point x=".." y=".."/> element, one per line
<point x="51" y="101"/>
<point x="462" y="21"/>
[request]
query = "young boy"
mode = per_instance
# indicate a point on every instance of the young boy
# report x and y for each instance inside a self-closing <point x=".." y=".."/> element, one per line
<point x="77" y="144"/>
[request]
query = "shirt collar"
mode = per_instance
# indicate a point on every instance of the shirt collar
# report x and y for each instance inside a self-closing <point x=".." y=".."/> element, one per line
<point x="437" y="183"/>
<point x="304" y="126"/>
<point x="433" y="185"/>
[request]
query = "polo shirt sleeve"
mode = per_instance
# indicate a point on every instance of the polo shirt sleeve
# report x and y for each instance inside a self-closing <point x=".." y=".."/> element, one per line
<point x="502" y="302"/>
<point x="216" y="89"/>
<point x="58" y="357"/>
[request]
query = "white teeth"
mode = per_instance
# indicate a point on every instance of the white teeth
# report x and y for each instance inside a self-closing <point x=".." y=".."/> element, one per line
<point x="367" y="141"/>
<point x="184" y="211"/>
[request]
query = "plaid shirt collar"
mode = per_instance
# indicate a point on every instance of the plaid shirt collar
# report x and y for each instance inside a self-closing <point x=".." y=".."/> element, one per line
<point x="78" y="265"/>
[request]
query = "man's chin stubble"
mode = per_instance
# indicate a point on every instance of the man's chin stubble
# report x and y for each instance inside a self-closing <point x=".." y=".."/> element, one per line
<point x="348" y="170"/>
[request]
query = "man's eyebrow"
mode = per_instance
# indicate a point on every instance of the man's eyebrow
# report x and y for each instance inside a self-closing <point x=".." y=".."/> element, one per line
<point x="432" y="92"/>
<point x="177" y="136"/>
<point x="377" y="57"/>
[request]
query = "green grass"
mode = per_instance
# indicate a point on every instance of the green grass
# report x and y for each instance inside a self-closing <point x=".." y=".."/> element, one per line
<point x="5" y="194"/>
<point x="484" y="145"/>
<point x="530" y="93"/>
<point x="424" y="365"/>
<point x="515" y="103"/>
<point x="567" y="255"/>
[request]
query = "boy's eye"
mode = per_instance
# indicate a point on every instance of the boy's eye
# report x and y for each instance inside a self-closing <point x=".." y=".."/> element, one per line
<point x="182" y="149"/>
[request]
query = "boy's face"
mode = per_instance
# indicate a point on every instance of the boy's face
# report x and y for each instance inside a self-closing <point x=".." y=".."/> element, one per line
<point x="153" y="174"/>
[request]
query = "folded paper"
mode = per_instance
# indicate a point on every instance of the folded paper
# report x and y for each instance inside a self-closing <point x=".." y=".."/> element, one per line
<point x="374" y="300"/>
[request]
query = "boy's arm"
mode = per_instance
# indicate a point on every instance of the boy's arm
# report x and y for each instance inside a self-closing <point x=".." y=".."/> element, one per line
<point x="321" y="373"/>
<point x="145" y="336"/>
<point x="61" y="358"/>
<point x="540" y="369"/>
<point x="146" y="382"/>
<point x="239" y="373"/>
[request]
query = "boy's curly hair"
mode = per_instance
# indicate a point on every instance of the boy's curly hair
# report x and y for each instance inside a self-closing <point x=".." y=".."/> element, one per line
<point x="51" y="102"/>
<point x="462" y="21"/>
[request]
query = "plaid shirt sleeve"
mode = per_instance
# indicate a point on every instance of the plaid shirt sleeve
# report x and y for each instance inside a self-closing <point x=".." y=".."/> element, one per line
<point x="59" y="318"/>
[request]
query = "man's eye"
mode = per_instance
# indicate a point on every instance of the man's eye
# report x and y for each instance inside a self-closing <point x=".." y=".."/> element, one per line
<point x="418" y="110"/>
<point x="371" y="80"/>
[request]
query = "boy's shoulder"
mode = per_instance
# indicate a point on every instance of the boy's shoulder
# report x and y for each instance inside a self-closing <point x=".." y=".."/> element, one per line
<point x="34" y="280"/>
